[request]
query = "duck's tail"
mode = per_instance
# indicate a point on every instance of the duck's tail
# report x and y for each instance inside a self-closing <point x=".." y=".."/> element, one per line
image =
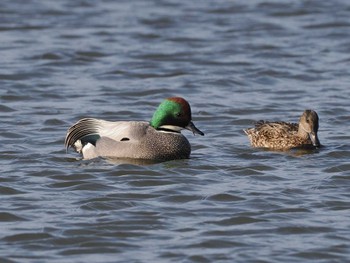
<point x="83" y="132"/>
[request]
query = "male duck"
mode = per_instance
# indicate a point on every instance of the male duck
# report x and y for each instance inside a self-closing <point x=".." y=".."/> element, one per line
<point x="159" y="139"/>
<point x="283" y="135"/>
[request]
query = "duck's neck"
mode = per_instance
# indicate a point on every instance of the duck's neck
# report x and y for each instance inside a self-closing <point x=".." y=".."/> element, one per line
<point x="170" y="128"/>
<point x="302" y="133"/>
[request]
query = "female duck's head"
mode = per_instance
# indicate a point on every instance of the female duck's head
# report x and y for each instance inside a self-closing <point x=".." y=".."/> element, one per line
<point x="308" y="126"/>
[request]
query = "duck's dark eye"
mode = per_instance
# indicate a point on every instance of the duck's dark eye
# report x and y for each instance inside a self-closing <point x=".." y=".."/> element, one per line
<point x="178" y="115"/>
<point x="307" y="120"/>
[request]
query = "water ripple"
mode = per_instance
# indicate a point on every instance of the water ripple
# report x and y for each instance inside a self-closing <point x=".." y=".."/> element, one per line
<point x="236" y="63"/>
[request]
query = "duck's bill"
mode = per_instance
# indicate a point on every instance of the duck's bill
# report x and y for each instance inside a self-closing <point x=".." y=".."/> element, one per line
<point x="314" y="139"/>
<point x="193" y="129"/>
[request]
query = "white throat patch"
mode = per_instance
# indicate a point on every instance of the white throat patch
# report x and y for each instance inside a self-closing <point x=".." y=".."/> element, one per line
<point x="171" y="128"/>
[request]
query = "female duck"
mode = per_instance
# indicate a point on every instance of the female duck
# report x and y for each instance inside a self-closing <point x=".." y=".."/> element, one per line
<point x="283" y="135"/>
<point x="159" y="139"/>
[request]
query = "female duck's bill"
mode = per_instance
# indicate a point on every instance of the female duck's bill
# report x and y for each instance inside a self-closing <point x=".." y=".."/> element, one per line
<point x="159" y="139"/>
<point x="284" y="135"/>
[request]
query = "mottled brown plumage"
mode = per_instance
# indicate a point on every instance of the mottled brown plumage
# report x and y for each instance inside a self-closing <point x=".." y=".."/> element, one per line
<point x="284" y="135"/>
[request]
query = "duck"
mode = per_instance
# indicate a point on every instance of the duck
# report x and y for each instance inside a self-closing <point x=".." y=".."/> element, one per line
<point x="160" y="139"/>
<point x="284" y="135"/>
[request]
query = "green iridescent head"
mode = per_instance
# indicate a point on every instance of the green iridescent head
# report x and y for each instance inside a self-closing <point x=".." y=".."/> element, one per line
<point x="174" y="114"/>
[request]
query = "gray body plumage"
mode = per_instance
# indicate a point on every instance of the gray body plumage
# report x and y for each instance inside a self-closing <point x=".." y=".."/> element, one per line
<point x="126" y="139"/>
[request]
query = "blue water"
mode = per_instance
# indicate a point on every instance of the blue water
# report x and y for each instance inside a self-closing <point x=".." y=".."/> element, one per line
<point x="236" y="62"/>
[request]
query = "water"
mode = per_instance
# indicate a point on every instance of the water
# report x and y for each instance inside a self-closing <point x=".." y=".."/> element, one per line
<point x="235" y="62"/>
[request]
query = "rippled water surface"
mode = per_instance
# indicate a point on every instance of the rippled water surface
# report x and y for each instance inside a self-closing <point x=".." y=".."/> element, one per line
<point x="236" y="62"/>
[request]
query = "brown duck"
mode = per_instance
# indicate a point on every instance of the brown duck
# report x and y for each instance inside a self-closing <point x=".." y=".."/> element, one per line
<point x="284" y="135"/>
